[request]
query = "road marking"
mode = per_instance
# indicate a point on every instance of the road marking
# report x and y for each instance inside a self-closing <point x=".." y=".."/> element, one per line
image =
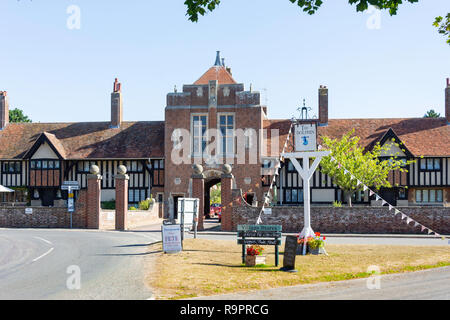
<point x="51" y="249"/>
<point x="43" y="240"/>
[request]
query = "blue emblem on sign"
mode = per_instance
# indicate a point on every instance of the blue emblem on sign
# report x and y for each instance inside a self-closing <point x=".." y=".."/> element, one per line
<point x="305" y="140"/>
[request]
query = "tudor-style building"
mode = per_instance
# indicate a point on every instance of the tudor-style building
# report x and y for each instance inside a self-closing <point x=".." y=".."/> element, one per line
<point x="35" y="158"/>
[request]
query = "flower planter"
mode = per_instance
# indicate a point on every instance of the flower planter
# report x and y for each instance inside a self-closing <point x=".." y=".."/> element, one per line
<point x="251" y="261"/>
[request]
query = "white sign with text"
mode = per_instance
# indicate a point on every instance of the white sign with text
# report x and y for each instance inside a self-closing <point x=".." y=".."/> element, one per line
<point x="305" y="137"/>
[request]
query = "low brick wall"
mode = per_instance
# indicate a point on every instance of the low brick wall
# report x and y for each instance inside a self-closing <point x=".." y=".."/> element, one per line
<point x="370" y="220"/>
<point x="135" y="218"/>
<point x="41" y="217"/>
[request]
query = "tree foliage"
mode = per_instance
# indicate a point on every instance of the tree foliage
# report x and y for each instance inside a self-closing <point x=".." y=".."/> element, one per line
<point x="368" y="166"/>
<point x="200" y="7"/>
<point x="432" y="114"/>
<point x="17" y="115"/>
<point x="196" y="8"/>
<point x="443" y="25"/>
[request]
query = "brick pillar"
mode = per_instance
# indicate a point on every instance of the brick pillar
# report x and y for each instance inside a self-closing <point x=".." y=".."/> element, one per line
<point x="93" y="208"/>
<point x="227" y="201"/>
<point x="198" y="191"/>
<point x="121" y="180"/>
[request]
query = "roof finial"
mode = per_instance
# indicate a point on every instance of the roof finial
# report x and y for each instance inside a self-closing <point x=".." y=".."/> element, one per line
<point x="217" y="63"/>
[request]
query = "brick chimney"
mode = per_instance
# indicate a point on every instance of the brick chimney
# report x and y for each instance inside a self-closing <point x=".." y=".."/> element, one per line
<point x="116" y="105"/>
<point x="4" y="110"/>
<point x="323" y="106"/>
<point x="447" y="101"/>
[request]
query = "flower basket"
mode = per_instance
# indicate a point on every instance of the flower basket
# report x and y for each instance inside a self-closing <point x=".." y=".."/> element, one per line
<point x="254" y="256"/>
<point x="251" y="261"/>
<point x="315" y="245"/>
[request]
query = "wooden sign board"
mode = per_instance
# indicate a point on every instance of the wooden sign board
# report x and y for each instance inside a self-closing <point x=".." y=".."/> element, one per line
<point x="262" y="235"/>
<point x="290" y="252"/>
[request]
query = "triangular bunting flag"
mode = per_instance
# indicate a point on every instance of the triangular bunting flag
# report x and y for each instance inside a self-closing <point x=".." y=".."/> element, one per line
<point x="408" y="220"/>
<point x="423" y="228"/>
<point x="390" y="207"/>
<point x="403" y="216"/>
<point x="259" y="221"/>
<point x="365" y="188"/>
<point x="377" y="197"/>
<point x="396" y="212"/>
<point x="430" y="231"/>
<point x="371" y="193"/>
<point x="416" y="224"/>
<point x="383" y="202"/>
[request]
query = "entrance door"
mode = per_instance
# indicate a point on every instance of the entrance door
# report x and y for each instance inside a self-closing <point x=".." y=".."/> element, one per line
<point x="175" y="206"/>
<point x="47" y="196"/>
<point x="389" y="195"/>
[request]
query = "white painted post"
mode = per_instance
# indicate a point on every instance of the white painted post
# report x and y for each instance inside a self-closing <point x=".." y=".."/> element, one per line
<point x="306" y="173"/>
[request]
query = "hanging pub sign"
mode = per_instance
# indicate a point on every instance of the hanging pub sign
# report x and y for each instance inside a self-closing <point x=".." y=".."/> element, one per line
<point x="305" y="137"/>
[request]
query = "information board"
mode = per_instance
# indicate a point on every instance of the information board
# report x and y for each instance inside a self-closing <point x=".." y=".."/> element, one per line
<point x="171" y="236"/>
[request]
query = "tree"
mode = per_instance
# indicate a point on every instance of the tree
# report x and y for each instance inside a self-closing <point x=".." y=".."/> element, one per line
<point x="17" y="115"/>
<point x="443" y="26"/>
<point x="368" y="166"/>
<point x="432" y="114"/>
<point x="201" y="7"/>
<point x="215" y="194"/>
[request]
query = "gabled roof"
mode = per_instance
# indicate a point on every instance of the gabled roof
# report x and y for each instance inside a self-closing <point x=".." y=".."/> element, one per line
<point x="429" y="137"/>
<point x="85" y="140"/>
<point x="53" y="142"/>
<point x="218" y="73"/>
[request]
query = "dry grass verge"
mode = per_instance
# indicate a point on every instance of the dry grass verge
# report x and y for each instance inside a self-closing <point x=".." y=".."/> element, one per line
<point x="210" y="267"/>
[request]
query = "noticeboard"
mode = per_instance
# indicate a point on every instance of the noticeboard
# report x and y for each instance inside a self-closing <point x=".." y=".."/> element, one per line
<point x="188" y="211"/>
<point x="171" y="237"/>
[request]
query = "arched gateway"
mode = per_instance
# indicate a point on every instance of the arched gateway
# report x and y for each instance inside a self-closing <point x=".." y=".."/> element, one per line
<point x="202" y="181"/>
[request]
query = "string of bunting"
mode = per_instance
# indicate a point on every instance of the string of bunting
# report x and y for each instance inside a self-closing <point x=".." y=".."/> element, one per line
<point x="383" y="202"/>
<point x="277" y="168"/>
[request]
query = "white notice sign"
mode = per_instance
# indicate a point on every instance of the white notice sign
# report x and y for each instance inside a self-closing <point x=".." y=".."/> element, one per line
<point x="305" y="137"/>
<point x="171" y="236"/>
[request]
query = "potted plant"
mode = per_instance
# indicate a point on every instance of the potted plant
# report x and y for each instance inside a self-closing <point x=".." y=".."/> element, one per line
<point x="314" y="244"/>
<point x="254" y="256"/>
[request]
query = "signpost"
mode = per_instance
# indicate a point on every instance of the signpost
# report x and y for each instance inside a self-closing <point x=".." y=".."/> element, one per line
<point x="259" y="235"/>
<point x="305" y="146"/>
<point x="70" y="186"/>
<point x="188" y="211"/>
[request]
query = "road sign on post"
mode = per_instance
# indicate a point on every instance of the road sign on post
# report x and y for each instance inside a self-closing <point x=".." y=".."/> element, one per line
<point x="70" y="186"/>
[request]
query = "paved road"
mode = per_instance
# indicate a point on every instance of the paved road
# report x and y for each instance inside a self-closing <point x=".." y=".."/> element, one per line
<point x="423" y="285"/>
<point x="34" y="263"/>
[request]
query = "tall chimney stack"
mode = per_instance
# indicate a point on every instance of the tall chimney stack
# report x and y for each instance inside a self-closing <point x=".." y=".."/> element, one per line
<point x="4" y="110"/>
<point x="323" y="106"/>
<point x="447" y="101"/>
<point x="116" y="105"/>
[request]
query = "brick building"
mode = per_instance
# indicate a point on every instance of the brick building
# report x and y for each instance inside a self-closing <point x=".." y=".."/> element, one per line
<point x="35" y="158"/>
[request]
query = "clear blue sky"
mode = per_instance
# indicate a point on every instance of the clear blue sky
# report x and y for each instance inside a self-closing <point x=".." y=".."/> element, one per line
<point x="57" y="74"/>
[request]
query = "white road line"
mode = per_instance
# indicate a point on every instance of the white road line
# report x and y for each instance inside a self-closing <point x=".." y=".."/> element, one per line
<point x="43" y="240"/>
<point x="51" y="249"/>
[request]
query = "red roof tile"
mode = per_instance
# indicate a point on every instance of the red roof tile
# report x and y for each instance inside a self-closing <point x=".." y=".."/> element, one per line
<point x="219" y="73"/>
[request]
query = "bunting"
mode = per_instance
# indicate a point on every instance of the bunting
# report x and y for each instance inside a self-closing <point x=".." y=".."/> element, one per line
<point x="407" y="219"/>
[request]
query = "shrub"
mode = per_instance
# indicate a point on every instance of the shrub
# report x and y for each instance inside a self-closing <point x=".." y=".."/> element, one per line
<point x="337" y="204"/>
<point x="109" y="205"/>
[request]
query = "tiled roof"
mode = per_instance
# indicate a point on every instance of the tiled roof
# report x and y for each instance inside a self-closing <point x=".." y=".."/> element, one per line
<point x="86" y="140"/>
<point x="219" y="73"/>
<point x="429" y="137"/>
